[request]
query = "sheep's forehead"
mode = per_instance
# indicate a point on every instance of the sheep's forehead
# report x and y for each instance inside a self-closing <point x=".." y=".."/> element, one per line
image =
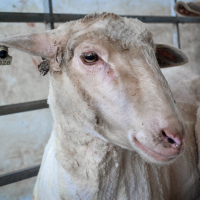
<point x="127" y="30"/>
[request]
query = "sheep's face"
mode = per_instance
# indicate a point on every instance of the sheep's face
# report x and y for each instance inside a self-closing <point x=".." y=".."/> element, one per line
<point x="124" y="87"/>
<point x="130" y="98"/>
<point x="110" y="83"/>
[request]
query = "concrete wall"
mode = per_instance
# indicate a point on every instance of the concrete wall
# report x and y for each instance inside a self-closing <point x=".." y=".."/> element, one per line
<point x="23" y="136"/>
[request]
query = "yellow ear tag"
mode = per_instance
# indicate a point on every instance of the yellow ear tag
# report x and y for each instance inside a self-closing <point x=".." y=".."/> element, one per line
<point x="5" y="59"/>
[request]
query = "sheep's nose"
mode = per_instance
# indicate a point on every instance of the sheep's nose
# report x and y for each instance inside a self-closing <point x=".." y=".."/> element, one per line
<point x="174" y="141"/>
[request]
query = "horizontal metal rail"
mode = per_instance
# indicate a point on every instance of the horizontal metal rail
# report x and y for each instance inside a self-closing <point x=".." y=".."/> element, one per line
<point x="19" y="175"/>
<point x="22" y="107"/>
<point x="58" y="18"/>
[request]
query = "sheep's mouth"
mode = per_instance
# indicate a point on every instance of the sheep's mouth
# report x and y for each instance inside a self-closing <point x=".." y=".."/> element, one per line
<point x="156" y="156"/>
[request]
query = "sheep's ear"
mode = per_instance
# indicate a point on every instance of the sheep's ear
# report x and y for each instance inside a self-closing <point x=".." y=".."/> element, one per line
<point x="38" y="44"/>
<point x="190" y="9"/>
<point x="168" y="56"/>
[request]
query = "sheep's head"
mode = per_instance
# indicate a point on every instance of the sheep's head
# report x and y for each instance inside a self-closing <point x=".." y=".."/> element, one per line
<point x="105" y="77"/>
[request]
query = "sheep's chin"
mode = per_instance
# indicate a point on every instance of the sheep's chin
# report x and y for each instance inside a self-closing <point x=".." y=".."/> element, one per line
<point x="151" y="156"/>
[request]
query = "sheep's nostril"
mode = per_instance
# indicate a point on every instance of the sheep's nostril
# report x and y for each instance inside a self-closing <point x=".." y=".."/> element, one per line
<point x="169" y="139"/>
<point x="175" y="140"/>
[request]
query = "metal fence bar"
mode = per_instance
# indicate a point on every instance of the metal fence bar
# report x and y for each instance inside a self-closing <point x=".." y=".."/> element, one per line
<point x="22" y="107"/>
<point x="47" y="4"/>
<point x="175" y="27"/>
<point x="19" y="175"/>
<point x="59" y="18"/>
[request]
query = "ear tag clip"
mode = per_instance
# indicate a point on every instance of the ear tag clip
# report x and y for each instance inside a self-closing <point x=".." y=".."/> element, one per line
<point x="5" y="59"/>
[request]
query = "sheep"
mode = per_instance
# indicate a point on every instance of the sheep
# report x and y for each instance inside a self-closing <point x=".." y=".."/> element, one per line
<point x="118" y="132"/>
<point x="190" y="9"/>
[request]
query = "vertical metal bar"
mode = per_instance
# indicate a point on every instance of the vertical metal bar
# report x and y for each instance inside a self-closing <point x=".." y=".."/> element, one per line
<point x="175" y="27"/>
<point x="47" y="4"/>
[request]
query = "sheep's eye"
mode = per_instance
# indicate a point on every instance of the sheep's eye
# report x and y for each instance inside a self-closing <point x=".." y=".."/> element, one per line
<point x="89" y="58"/>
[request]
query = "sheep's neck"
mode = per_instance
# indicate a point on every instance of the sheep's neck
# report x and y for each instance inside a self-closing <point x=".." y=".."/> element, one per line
<point x="88" y="159"/>
<point x="98" y="167"/>
<point x="81" y="147"/>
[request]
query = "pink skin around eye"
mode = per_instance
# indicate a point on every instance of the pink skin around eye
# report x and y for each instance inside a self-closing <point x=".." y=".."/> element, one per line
<point x="109" y="71"/>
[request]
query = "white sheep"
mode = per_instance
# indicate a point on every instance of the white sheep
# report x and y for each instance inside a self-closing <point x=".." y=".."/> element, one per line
<point x="117" y="131"/>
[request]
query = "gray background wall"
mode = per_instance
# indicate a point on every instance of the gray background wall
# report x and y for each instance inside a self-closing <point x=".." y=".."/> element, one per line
<point x="23" y="136"/>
